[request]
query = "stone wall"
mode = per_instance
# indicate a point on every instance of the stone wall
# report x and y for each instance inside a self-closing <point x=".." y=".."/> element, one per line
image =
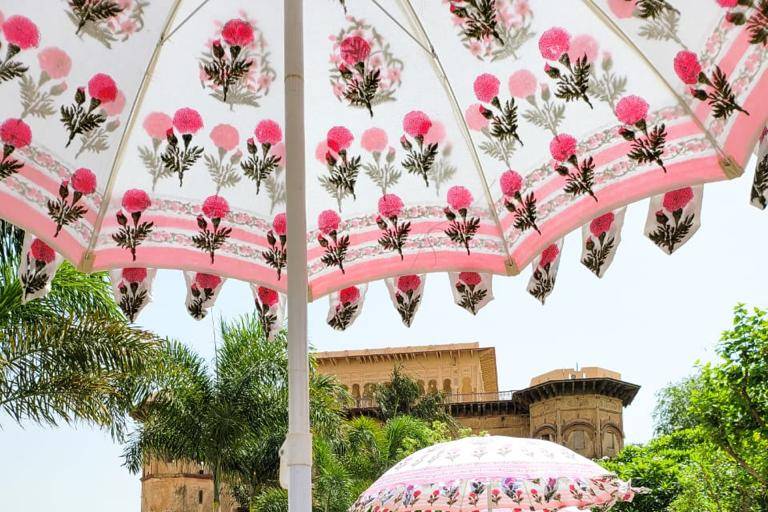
<point x="588" y="424"/>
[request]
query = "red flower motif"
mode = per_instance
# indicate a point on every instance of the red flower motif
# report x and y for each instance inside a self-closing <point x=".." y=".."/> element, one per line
<point x="187" y="120"/>
<point x="583" y="45"/>
<point x="408" y="283"/>
<point x="339" y="138"/>
<point x="354" y="49"/>
<point x="20" y="31"/>
<point x="374" y="140"/>
<point x="549" y="255"/>
<point x="280" y="224"/>
<point x="390" y="205"/>
<point x="486" y="87"/>
<point x="42" y="251"/>
<point x="16" y="133"/>
<point x="511" y="183"/>
<point x="554" y="43"/>
<point x="328" y="221"/>
<point x="102" y="87"/>
<point x="687" y="67"/>
<point x="215" y="207"/>
<point x="416" y="123"/>
<point x="55" y="62"/>
<point x="631" y="109"/>
<point x="84" y="181"/>
<point x="268" y="132"/>
<point x="459" y="198"/>
<point x="349" y="295"/>
<point x="136" y="200"/>
<point x="522" y="84"/>
<point x="134" y="275"/>
<point x="267" y="296"/>
<point x="601" y="224"/>
<point x="225" y="136"/>
<point x="562" y="147"/>
<point x="207" y="281"/>
<point x="237" y="33"/>
<point x="677" y="199"/>
<point x="157" y="125"/>
<point x="470" y="278"/>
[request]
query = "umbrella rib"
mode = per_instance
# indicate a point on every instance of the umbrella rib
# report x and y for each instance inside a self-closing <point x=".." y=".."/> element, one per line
<point x="401" y="26"/>
<point x="511" y="266"/>
<point x="729" y="166"/>
<point x="86" y="263"/>
<point x="185" y="20"/>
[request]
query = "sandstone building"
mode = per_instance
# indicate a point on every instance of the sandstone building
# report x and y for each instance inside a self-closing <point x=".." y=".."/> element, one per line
<point x="580" y="408"/>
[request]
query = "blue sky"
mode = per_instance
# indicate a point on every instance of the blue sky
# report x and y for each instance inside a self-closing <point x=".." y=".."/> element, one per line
<point x="651" y="318"/>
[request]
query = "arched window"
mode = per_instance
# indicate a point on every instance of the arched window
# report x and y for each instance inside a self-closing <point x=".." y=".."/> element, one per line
<point x="356" y="391"/>
<point x="432" y="386"/>
<point x="368" y="390"/>
<point x="200" y="497"/>
<point x="422" y="389"/>
<point x="466" y="386"/>
<point x="546" y="437"/>
<point x="577" y="441"/>
<point x="447" y="386"/>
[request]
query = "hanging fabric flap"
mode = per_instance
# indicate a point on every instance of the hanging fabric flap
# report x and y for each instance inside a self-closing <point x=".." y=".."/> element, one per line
<point x="759" y="197"/>
<point x="674" y="217"/>
<point x="202" y="291"/>
<point x="600" y="240"/>
<point x="37" y="269"/>
<point x="406" y="292"/>
<point x="345" y="306"/>
<point x="545" y="267"/>
<point x="270" y="306"/>
<point x="132" y="288"/>
<point x="471" y="290"/>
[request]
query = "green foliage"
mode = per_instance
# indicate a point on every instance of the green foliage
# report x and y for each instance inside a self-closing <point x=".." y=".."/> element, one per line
<point x="401" y="396"/>
<point x="69" y="356"/>
<point x="712" y="451"/>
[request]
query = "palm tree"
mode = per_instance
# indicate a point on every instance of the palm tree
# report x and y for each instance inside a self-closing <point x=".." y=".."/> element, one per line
<point x="234" y="417"/>
<point x="70" y="356"/>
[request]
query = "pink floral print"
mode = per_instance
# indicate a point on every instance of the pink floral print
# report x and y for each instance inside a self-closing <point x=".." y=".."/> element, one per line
<point x="331" y="240"/>
<point x="493" y="29"/>
<point x="129" y="236"/>
<point x="20" y="34"/>
<point x="14" y="134"/>
<point x="759" y="191"/>
<point x="675" y="220"/>
<point x="364" y="71"/>
<point x="223" y="166"/>
<point x="582" y="178"/>
<point x="81" y="120"/>
<point x="502" y="118"/>
<point x="473" y="294"/>
<point x="522" y="207"/>
<point x="178" y="159"/>
<point x="545" y="272"/>
<point x="277" y="255"/>
<point x="215" y="208"/>
<point x="600" y="244"/>
<point x="107" y="21"/>
<point x="261" y="166"/>
<point x="420" y="154"/>
<point x="718" y="93"/>
<point x="62" y="211"/>
<point x="751" y="13"/>
<point x="269" y="310"/>
<point x="132" y="290"/>
<point x="406" y="292"/>
<point x="156" y="125"/>
<point x="37" y="96"/>
<point x="381" y="170"/>
<point x="343" y="168"/>
<point x="394" y="233"/>
<point x="573" y="82"/>
<point x="646" y="147"/>
<point x="201" y="292"/>
<point x="463" y="226"/>
<point x="235" y="65"/>
<point x="345" y="307"/>
<point x="37" y="269"/>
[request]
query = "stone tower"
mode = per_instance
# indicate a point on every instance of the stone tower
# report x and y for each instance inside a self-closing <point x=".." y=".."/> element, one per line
<point x="179" y="486"/>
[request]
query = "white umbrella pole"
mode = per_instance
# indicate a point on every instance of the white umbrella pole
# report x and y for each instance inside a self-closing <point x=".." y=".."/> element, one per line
<point x="298" y="447"/>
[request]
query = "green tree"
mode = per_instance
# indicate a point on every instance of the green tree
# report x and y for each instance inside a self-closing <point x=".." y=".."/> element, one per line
<point x="401" y="395"/>
<point x="70" y="356"/>
<point x="232" y="417"/>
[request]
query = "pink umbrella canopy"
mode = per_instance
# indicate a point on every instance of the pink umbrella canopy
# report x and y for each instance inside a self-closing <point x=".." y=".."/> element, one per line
<point x="465" y="136"/>
<point x="499" y="473"/>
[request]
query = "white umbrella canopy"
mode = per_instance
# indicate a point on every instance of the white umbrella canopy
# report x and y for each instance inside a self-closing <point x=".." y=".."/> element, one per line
<point x="462" y="136"/>
<point x="499" y="473"/>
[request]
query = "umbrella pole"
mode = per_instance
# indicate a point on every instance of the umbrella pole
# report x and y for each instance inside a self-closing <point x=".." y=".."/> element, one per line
<point x="298" y="445"/>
